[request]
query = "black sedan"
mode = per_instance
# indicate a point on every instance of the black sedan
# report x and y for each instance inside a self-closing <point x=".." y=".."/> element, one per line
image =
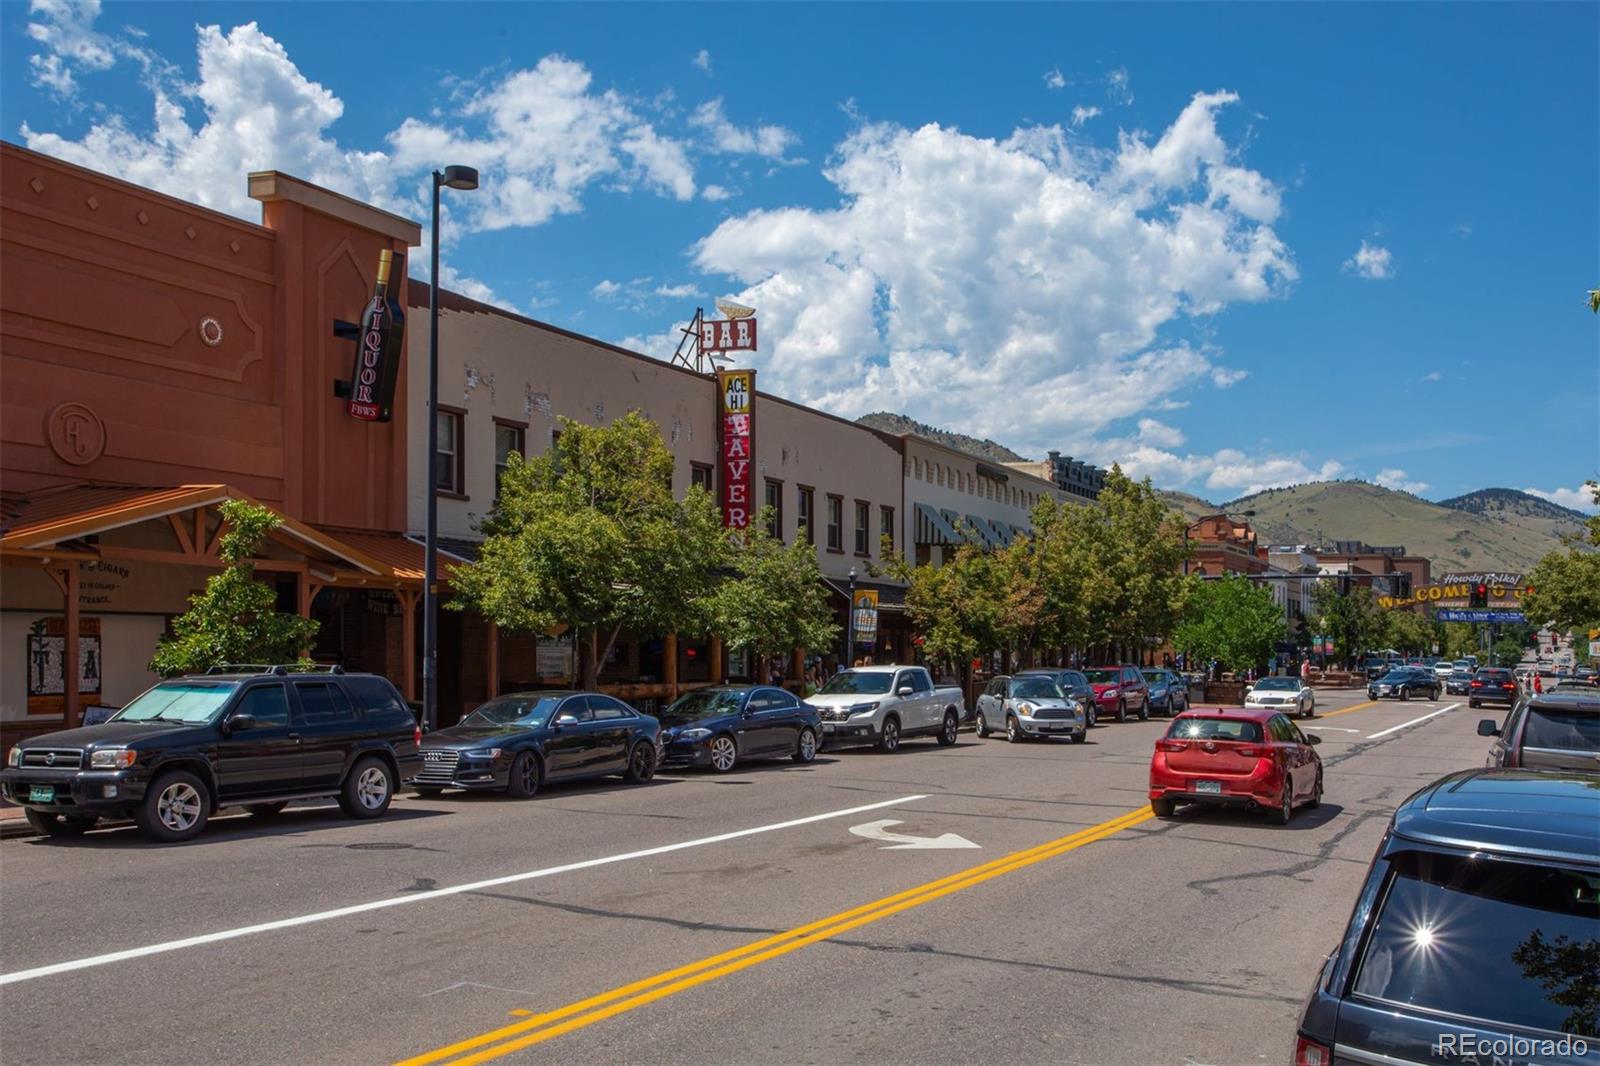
<point x="721" y="726"/>
<point x="515" y="743"/>
<point x="1404" y="683"/>
<point x="1459" y="683"/>
<point x="1169" y="692"/>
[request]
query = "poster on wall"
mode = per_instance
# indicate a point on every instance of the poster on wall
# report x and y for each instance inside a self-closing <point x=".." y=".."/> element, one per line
<point x="554" y="657"/>
<point x="736" y="393"/>
<point x="47" y="650"/>
<point x="864" y="617"/>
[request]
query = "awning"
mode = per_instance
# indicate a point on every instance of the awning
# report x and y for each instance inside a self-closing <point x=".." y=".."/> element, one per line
<point x="981" y="530"/>
<point x="890" y="597"/>
<point x="934" y="528"/>
<point x="403" y="554"/>
<point x="1002" y="532"/>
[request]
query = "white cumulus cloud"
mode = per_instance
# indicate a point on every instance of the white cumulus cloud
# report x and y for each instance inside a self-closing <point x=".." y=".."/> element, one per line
<point x="1081" y="114"/>
<point x="686" y="291"/>
<point x="1371" y="261"/>
<point x="1395" y="478"/>
<point x="714" y="193"/>
<point x="1579" y="499"/>
<point x="770" y="142"/>
<point x="1054" y="79"/>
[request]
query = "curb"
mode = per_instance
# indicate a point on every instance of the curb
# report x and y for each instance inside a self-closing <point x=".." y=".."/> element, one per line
<point x="16" y="827"/>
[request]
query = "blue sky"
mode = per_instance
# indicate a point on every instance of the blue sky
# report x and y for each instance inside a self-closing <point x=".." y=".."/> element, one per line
<point x="1228" y="246"/>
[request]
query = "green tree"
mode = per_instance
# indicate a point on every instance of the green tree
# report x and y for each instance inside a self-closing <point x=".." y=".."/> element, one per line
<point x="1566" y="589"/>
<point x="589" y="535"/>
<point x="775" y="600"/>
<point x="956" y="607"/>
<point x="1233" y="620"/>
<point x="1569" y="972"/>
<point x="1351" y="619"/>
<point x="1407" y="631"/>
<point x="1507" y="651"/>
<point x="235" y="619"/>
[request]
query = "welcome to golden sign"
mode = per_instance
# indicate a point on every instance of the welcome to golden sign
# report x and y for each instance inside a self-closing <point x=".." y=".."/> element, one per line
<point x="1435" y="593"/>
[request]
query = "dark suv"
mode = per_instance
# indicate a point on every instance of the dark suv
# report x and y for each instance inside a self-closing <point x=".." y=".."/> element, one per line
<point x="194" y="744"/>
<point x="1555" y="731"/>
<point x="1491" y="684"/>
<point x="1474" y="936"/>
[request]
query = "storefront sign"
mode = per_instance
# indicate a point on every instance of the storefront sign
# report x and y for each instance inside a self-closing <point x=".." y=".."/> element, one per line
<point x="553" y="658"/>
<point x="1451" y="615"/>
<point x="736" y="393"/>
<point x="1455" y="591"/>
<point x="47" y="650"/>
<point x="1481" y="578"/>
<point x="728" y="335"/>
<point x="378" y="348"/>
<point x="864" y="617"/>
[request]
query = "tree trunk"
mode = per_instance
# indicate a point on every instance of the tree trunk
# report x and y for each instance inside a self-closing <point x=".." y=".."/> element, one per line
<point x="588" y="666"/>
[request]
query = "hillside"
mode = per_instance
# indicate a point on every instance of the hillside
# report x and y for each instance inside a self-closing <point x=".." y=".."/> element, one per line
<point x="988" y="450"/>
<point x="1191" y="507"/>
<point x="1503" y="534"/>
<point x="1512" y="505"/>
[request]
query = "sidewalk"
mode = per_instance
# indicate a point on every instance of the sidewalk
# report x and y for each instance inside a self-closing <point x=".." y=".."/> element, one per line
<point x="12" y="822"/>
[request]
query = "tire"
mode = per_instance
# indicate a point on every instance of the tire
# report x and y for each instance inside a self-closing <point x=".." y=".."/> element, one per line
<point x="174" y="809"/>
<point x="1169" y="711"/>
<point x="59" y="825"/>
<point x="1472" y="702"/>
<point x="1122" y="711"/>
<point x="1013" y="729"/>
<point x="1285" y="809"/>
<point x="1090" y="717"/>
<point x="889" y="741"/>
<point x="1080" y="736"/>
<point x="1163" y="808"/>
<point x="1316" y="794"/>
<point x="982" y="727"/>
<point x="265" y="810"/>
<point x="526" y="773"/>
<point x="805" y="746"/>
<point x="947" y="733"/>
<point x="641" y="763"/>
<point x="368" y="789"/>
<point x="1405" y="694"/>
<point x="1144" y="709"/>
<point x="724" y="753"/>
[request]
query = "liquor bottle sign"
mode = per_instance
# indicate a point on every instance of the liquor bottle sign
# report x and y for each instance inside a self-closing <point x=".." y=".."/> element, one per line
<point x="736" y="393"/>
<point x="378" y="350"/>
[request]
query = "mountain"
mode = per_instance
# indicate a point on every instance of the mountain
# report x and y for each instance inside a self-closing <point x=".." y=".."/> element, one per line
<point x="1191" y="507"/>
<point x="1497" y="529"/>
<point x="988" y="450"/>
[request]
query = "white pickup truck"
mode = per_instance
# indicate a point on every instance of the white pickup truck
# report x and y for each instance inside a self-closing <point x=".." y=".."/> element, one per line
<point x="883" y="704"/>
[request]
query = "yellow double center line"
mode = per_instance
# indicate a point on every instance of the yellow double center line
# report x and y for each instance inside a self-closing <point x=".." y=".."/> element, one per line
<point x="586" y="1012"/>
<point x="1349" y="709"/>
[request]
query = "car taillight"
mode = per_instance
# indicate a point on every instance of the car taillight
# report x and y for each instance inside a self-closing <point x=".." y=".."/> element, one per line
<point x="1311" y="1053"/>
<point x="1508" y="687"/>
<point x="1250" y="751"/>
<point x="1172" y="745"/>
<point x="1477" y="684"/>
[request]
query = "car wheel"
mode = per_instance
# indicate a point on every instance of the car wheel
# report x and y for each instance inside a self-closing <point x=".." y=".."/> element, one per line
<point x="1122" y="711"/>
<point x="1171" y="710"/>
<point x="175" y="808"/>
<point x="1013" y="730"/>
<point x="1316" y="794"/>
<point x="523" y="781"/>
<point x="889" y="741"/>
<point x="1405" y="694"/>
<point x="1144" y="709"/>
<point x="1090" y="717"/>
<point x="368" y="789"/>
<point x="1080" y="736"/>
<point x="265" y="810"/>
<point x="982" y="727"/>
<point x="1163" y="808"/>
<point x="805" y="748"/>
<point x="59" y="825"/>
<point x="724" y="753"/>
<point x="1285" y="809"/>
<point x="947" y="735"/>
<point x="641" y="763"/>
<point x="1472" y="703"/>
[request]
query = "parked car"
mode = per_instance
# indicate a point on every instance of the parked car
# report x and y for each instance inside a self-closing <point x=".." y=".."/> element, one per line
<point x="1556" y="731"/>
<point x="1443" y="669"/>
<point x="883" y="704"/>
<point x="517" y="742"/>
<point x="186" y="748"/>
<point x="1455" y="946"/>
<point x="1257" y="759"/>
<point x="1459" y="683"/>
<point x="1404" y="684"/>
<point x="1117" y="689"/>
<point x="1072" y="683"/>
<point x="1031" y="705"/>
<point x="1492" y="684"/>
<point x="1168" y="692"/>
<point x="1287" y="694"/>
<point x="1375" y="668"/>
<point x="720" y="727"/>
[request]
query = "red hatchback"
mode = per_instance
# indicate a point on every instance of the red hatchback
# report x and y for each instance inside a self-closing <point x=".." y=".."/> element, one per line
<point x="1241" y="758"/>
<point x="1117" y="689"/>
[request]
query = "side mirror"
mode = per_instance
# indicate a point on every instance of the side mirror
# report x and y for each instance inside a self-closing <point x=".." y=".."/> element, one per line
<point x="1487" y="728"/>
<point x="241" y="721"/>
<point x="1313" y="739"/>
<point x="565" y="720"/>
<point x="903" y="690"/>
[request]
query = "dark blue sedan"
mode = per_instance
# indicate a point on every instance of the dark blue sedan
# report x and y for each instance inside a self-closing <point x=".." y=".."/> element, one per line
<point x="515" y="743"/>
<point x="719" y="727"/>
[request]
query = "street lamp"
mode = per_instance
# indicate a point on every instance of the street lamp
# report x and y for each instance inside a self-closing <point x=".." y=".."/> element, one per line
<point x="463" y="178"/>
<point x="850" y="622"/>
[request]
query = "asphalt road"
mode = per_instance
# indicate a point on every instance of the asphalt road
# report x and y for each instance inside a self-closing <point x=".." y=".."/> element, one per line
<point x="725" y="918"/>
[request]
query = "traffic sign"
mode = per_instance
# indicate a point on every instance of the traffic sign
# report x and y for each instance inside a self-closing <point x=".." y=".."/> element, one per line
<point x="1450" y="615"/>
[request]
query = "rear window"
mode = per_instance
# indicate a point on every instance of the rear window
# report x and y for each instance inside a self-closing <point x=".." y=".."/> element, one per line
<point x="374" y="694"/>
<point x="1504" y="942"/>
<point x="1215" y="729"/>
<point x="1494" y="675"/>
<point x="1551" y="727"/>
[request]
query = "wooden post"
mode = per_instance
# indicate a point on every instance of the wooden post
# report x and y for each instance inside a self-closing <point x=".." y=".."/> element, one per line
<point x="494" y="660"/>
<point x="408" y="641"/>
<point x="719" y="661"/>
<point x="72" y="710"/>
<point x="669" y="663"/>
<point x="797" y="670"/>
<point x="302" y="589"/>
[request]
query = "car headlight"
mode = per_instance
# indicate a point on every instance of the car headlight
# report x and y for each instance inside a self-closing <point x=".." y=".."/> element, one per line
<point x="694" y="734"/>
<point x="112" y="759"/>
<point x="1109" y="692"/>
<point x="15" y="758"/>
<point x="483" y="753"/>
<point x="1026" y="708"/>
<point x="864" y="708"/>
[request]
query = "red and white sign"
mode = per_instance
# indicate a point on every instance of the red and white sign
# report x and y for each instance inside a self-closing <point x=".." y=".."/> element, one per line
<point x="728" y="335"/>
<point x="736" y="393"/>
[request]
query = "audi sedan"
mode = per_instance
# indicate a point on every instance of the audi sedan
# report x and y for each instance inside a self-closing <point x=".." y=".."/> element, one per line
<point x="1255" y="759"/>
<point x="1287" y="694"/>
<point x="518" y="742"/>
<point x="722" y="726"/>
<point x="1402" y="683"/>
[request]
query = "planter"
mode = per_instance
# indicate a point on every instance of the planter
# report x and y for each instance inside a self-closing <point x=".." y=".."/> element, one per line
<point x="1226" y="693"/>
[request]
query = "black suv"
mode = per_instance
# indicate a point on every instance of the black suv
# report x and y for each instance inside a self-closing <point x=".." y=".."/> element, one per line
<point x="194" y="744"/>
<point x="1474" y="935"/>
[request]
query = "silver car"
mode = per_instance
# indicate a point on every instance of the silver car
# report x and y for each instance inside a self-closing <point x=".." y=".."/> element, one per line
<point x="1030" y="706"/>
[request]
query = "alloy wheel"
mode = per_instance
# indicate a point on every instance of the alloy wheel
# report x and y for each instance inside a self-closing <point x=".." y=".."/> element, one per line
<point x="372" y="787"/>
<point x="723" y="754"/>
<point x="179" y="806"/>
<point x="808" y="745"/>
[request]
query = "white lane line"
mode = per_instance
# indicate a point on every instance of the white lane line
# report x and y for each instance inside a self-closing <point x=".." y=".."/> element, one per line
<point x="1414" y="721"/>
<point x="437" y="893"/>
<point x="1330" y="728"/>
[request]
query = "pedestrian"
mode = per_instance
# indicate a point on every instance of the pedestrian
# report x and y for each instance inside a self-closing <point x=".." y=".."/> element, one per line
<point x="1538" y="684"/>
<point x="1305" y="671"/>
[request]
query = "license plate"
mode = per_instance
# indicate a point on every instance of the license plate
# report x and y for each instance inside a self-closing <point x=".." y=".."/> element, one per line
<point x="827" y="727"/>
<point x="1213" y="788"/>
<point x="42" y="794"/>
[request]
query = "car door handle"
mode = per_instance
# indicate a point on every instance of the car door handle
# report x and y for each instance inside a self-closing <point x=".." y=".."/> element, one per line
<point x="294" y="736"/>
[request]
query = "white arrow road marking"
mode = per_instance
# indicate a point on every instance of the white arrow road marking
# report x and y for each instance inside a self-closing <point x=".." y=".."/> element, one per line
<point x="1414" y="721"/>
<point x="903" y="842"/>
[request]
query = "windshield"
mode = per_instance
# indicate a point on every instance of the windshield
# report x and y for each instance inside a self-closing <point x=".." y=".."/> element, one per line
<point x="179" y="701"/>
<point x="1214" y="729"/>
<point x="1277" y="684"/>
<point x="1155" y="677"/>
<point x="513" y="710"/>
<point x="1102" y="677"/>
<point x="1461" y="675"/>
<point x="704" y="703"/>
<point x="858" y="683"/>
<point x="1035" y="688"/>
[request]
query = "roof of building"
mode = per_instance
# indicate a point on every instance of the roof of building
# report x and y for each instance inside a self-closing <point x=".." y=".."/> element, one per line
<point x="406" y="555"/>
<point x="1536" y="814"/>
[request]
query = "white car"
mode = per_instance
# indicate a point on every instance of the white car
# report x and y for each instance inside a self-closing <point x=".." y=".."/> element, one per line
<point x="1281" y="694"/>
<point x="1443" y="668"/>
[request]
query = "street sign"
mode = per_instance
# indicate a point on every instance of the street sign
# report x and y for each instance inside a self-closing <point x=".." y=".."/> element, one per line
<point x="1594" y="649"/>
<point x="906" y="842"/>
<point x="1450" y="615"/>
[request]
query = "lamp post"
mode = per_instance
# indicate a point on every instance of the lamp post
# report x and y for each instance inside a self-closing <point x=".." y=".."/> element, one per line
<point x="850" y="622"/>
<point x="463" y="178"/>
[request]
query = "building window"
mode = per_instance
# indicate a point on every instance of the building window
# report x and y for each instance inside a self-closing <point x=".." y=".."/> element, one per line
<point x="863" y="527"/>
<point x="774" y="503"/>
<point x="836" y="523"/>
<point x="509" y="438"/>
<point x="448" y="467"/>
<point x="805" y="514"/>
<point x="700" y="474"/>
<point x="886" y="527"/>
